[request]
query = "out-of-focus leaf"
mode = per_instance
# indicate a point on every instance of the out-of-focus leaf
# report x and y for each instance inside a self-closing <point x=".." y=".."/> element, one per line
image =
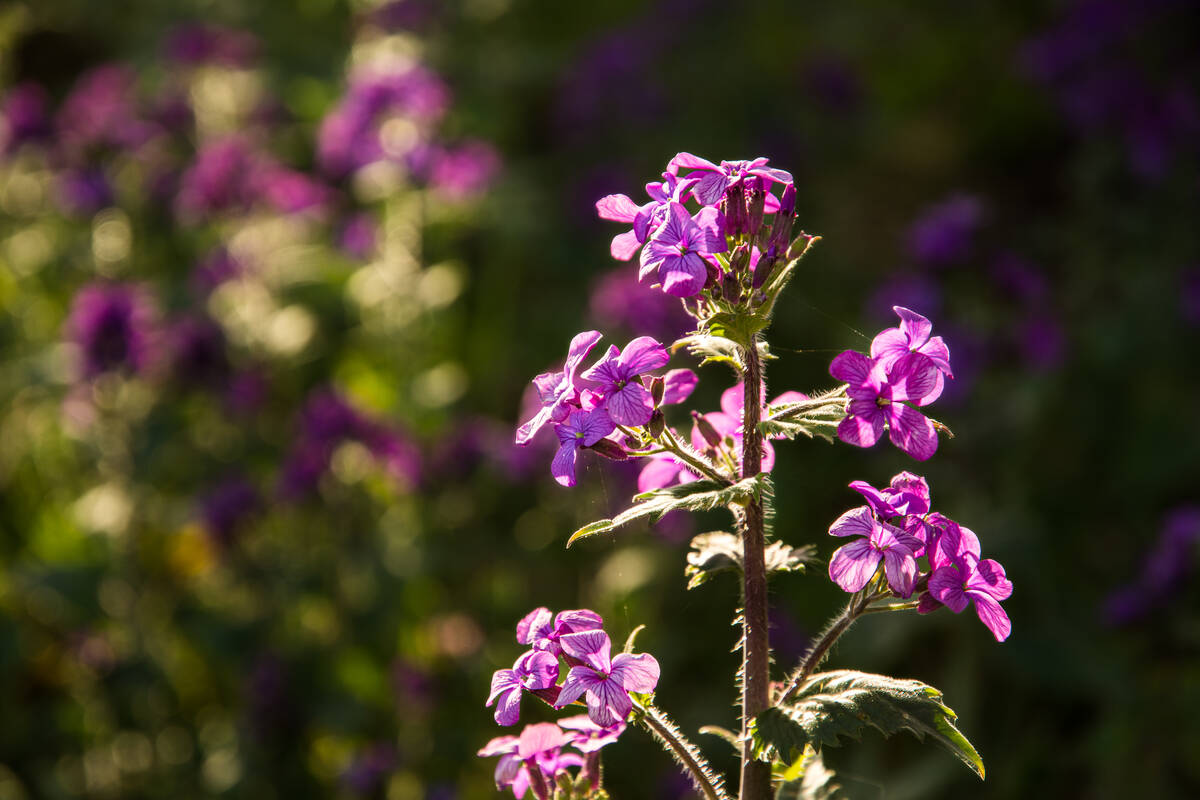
<point x="720" y="551"/>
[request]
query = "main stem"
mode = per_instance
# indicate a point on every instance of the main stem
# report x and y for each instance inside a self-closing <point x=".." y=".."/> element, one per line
<point x="756" y="677"/>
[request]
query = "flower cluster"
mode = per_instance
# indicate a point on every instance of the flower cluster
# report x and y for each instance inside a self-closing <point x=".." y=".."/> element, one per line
<point x="906" y="365"/>
<point x="682" y="250"/>
<point x="574" y="639"/>
<point x="586" y="407"/>
<point x="897" y="527"/>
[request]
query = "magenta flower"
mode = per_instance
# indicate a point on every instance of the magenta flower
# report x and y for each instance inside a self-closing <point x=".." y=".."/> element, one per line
<point x="24" y="117"/>
<point x="912" y="336"/>
<point x="644" y="218"/>
<point x="114" y="327"/>
<point x="581" y="429"/>
<point x="663" y="470"/>
<point x="907" y="494"/>
<point x="678" y="385"/>
<point x="558" y="391"/>
<point x="728" y="422"/>
<point x="541" y="630"/>
<point x="615" y="374"/>
<point x="587" y="736"/>
<point x="854" y="565"/>
<point x="535" y="669"/>
<point x="604" y="682"/>
<point x="980" y="582"/>
<point x="531" y="760"/>
<point x="714" y="180"/>
<point x="877" y="399"/>
<point x="674" y="256"/>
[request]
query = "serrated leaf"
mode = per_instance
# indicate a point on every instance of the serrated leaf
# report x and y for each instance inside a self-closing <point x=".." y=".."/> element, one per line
<point x="711" y="350"/>
<point x="741" y="328"/>
<point x="843" y="703"/>
<point x="720" y="551"/>
<point x="695" y="496"/>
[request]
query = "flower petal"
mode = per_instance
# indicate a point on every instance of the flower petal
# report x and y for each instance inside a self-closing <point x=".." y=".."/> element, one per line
<point x="590" y="646"/>
<point x="911" y="431"/>
<point x="853" y="565"/>
<point x="682" y="275"/>
<point x="624" y="245"/>
<point x="916" y="327"/>
<point x="855" y="522"/>
<point x="901" y="570"/>
<point x="617" y="207"/>
<point x="914" y="377"/>
<point x="689" y="161"/>
<point x="636" y="673"/>
<point x="539" y="738"/>
<point x="579" y="680"/>
<point x="562" y="467"/>
<point x="945" y="584"/>
<point x="992" y="615"/>
<point x="678" y="385"/>
<point x="502" y="681"/>
<point x="659" y="473"/>
<point x="631" y="405"/>
<point x="852" y="367"/>
<point x="989" y="577"/>
<point x="861" y="431"/>
<point x="534" y="625"/>
<point x="642" y="355"/>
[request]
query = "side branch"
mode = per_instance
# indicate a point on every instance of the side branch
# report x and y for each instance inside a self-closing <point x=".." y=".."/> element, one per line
<point x="707" y="782"/>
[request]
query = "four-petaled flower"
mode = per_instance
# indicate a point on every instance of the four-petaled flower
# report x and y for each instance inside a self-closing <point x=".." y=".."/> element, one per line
<point x="581" y="429"/>
<point x="535" y="669"/>
<point x="980" y="582"/>
<point x="644" y="218"/>
<point x="907" y="494"/>
<point x="714" y="180"/>
<point x="877" y="398"/>
<point x="606" y="683"/>
<point x="675" y="254"/>
<point x="532" y="759"/>
<point x="615" y="375"/>
<point x="854" y="565"/>
<point x="541" y="630"/>
<point x="912" y="336"/>
<point x="557" y="391"/>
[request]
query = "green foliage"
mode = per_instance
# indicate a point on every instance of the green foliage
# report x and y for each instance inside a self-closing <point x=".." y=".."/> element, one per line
<point x="841" y="703"/>
<point x="696" y="496"/>
<point x="721" y="551"/>
<point x="809" y="779"/>
<point x="817" y="416"/>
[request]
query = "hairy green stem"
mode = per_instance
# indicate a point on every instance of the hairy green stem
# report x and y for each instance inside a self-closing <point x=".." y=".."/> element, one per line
<point x="756" y="646"/>
<point x="672" y="444"/>
<point x="707" y="782"/>
<point x="855" y="608"/>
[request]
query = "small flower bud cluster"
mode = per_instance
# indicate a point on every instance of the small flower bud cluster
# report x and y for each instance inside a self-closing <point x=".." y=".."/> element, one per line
<point x="905" y="366"/>
<point x="574" y="639"/>
<point x="897" y="528"/>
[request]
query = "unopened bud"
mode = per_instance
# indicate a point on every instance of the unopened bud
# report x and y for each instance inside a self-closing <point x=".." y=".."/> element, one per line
<point x="733" y="206"/>
<point x="658" y="388"/>
<point x="764" y="267"/>
<point x="714" y="275"/>
<point x="657" y="424"/>
<point x="755" y="204"/>
<point x="706" y="430"/>
<point x="739" y="259"/>
<point x="632" y="443"/>
<point x="781" y="229"/>
<point x="800" y="245"/>
<point x="610" y="449"/>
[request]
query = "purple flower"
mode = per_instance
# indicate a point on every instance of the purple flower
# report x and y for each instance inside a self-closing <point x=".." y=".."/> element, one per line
<point x="83" y="192"/>
<point x="674" y="256"/>
<point x="980" y="582"/>
<point x="531" y="760"/>
<point x="877" y="399"/>
<point x="100" y="114"/>
<point x="1164" y="570"/>
<point x="912" y="336"/>
<point x="606" y="683"/>
<point x="113" y="326"/>
<point x="645" y="218"/>
<point x="462" y="172"/>
<point x="907" y="494"/>
<point x="535" y="669"/>
<point x="581" y="429"/>
<point x="218" y="180"/>
<point x="587" y="736"/>
<point x="357" y="235"/>
<point x="714" y="180"/>
<point x="625" y="398"/>
<point x="854" y="565"/>
<point x="944" y="234"/>
<point x="215" y="268"/>
<point x="662" y="471"/>
<point x="288" y="191"/>
<point x="227" y="507"/>
<point x="541" y="631"/>
<point x="558" y="391"/>
<point x="24" y="117"/>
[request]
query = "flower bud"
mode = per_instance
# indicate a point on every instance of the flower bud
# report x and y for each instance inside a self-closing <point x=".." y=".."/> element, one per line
<point x="739" y="259"/>
<point x="706" y="430"/>
<point x="731" y="287"/>
<point x="610" y="449"/>
<point x="800" y="245"/>
<point x="657" y="424"/>
<point x="714" y="275"/>
<point x="631" y="443"/>
<point x="733" y="206"/>
<point x="781" y="230"/>
<point x="756" y="202"/>
<point x="658" y="388"/>
<point x="764" y="267"/>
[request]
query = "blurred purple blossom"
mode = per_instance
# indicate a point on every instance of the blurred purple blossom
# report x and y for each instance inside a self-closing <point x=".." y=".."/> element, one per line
<point x="215" y="268"/>
<point x="944" y="234"/>
<point x="197" y="351"/>
<point x="910" y="291"/>
<point x="24" y="117"/>
<point x="618" y="300"/>
<point x="197" y="44"/>
<point x="83" y="192"/>
<point x="1043" y="342"/>
<point x="463" y="171"/>
<point x="368" y="770"/>
<point x="218" y="179"/>
<point x="101" y="113"/>
<point x="1167" y="565"/>
<point x="114" y="327"/>
<point x="228" y="506"/>
<point x="357" y="236"/>
<point x="246" y="392"/>
<point x="413" y="15"/>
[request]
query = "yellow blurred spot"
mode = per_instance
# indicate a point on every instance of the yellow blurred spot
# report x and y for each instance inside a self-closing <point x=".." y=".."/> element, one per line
<point x="28" y="250"/>
<point x="440" y="285"/>
<point x="112" y="239"/>
<point x="191" y="552"/>
<point x="351" y="462"/>
<point x="133" y="752"/>
<point x="105" y="509"/>
<point x="441" y="385"/>
<point x="624" y="572"/>
<point x="289" y="330"/>
<point x="399" y="136"/>
<point x="405" y="786"/>
<point x="222" y="770"/>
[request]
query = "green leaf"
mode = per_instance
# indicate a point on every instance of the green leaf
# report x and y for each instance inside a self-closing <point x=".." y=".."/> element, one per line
<point x="817" y="416"/>
<point x="841" y="703"/>
<point x="712" y="350"/>
<point x="719" y="551"/>
<point x="809" y="779"/>
<point x="741" y="328"/>
<point x="695" y="496"/>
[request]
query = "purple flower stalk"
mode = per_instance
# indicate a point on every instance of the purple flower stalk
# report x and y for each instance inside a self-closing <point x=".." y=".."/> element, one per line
<point x="559" y="391"/>
<point x="604" y="682"/>
<point x="625" y="398"/>
<point x="674" y="256"/>
<point x="855" y="564"/>
<point x="877" y="399"/>
<point x="535" y="669"/>
<point x="581" y="429"/>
